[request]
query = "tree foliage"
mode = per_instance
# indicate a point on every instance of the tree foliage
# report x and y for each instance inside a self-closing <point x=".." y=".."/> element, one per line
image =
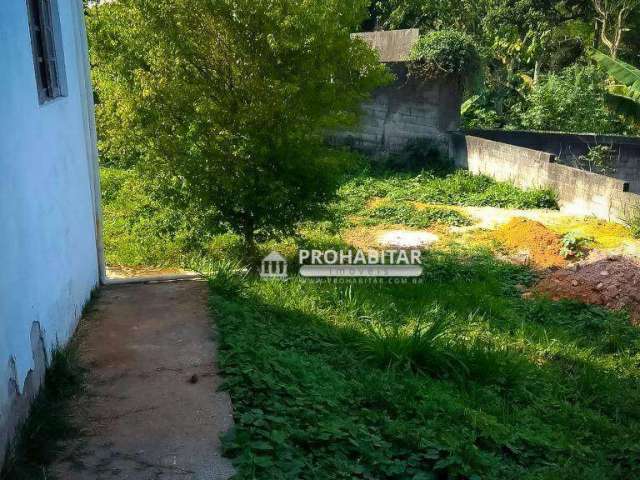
<point x="612" y="17"/>
<point x="521" y="42"/>
<point x="445" y="53"/>
<point x="573" y="100"/>
<point x="627" y="77"/>
<point x="225" y="101"/>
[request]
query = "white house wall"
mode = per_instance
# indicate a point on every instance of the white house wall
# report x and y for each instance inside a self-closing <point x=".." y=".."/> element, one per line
<point x="48" y="258"/>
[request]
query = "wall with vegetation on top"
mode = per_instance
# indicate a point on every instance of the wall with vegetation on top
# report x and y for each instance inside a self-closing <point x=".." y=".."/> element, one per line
<point x="403" y="112"/>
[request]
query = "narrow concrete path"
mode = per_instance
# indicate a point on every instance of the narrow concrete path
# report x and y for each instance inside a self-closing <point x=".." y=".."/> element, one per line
<point x="152" y="409"/>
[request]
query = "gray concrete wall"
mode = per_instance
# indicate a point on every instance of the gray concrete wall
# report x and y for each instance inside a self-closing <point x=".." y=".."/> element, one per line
<point x="567" y="147"/>
<point x="406" y="111"/>
<point x="579" y="192"/>
<point x="392" y="46"/>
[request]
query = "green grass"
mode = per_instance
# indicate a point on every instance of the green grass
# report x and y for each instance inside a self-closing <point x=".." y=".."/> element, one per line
<point x="633" y="222"/>
<point x="455" y="188"/>
<point x="455" y="377"/>
<point x="49" y="422"/>
<point x="140" y="230"/>
<point x="407" y="214"/>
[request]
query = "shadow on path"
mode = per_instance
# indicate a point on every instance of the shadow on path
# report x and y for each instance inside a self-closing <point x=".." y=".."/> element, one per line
<point x="151" y="408"/>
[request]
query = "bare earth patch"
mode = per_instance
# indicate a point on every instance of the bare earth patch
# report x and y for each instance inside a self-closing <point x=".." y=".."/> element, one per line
<point x="407" y="239"/>
<point x="490" y="218"/>
<point x="532" y="240"/>
<point x="612" y="282"/>
<point x="123" y="271"/>
<point x="606" y="235"/>
<point x="396" y="236"/>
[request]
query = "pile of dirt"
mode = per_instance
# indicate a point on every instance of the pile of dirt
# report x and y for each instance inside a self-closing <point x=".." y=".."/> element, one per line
<point x="531" y="240"/>
<point x="613" y="282"/>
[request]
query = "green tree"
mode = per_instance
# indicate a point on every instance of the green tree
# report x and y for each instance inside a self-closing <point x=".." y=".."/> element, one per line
<point x="575" y="100"/>
<point x="612" y="17"/>
<point x="226" y="101"/>
<point x="519" y="41"/>
<point x="447" y="54"/>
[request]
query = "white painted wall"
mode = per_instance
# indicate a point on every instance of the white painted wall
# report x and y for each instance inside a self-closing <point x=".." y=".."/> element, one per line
<point x="48" y="257"/>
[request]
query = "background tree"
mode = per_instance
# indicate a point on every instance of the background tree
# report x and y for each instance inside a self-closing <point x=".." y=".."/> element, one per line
<point x="573" y="100"/>
<point x="522" y="42"/>
<point x="612" y="17"/>
<point x="225" y="102"/>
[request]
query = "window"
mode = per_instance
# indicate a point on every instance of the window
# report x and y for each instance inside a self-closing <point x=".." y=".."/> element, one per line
<point x="47" y="49"/>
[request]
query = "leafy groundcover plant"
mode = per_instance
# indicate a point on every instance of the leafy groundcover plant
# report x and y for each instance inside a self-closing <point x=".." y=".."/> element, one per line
<point x="455" y="377"/>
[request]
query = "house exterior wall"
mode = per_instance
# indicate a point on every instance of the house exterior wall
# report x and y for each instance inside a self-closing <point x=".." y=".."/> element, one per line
<point x="406" y="111"/>
<point x="48" y="254"/>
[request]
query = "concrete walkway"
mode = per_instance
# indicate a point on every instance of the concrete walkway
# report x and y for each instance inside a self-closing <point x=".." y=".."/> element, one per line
<point x="152" y="410"/>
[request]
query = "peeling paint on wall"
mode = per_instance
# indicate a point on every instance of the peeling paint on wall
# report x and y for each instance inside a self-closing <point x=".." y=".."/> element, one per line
<point x="20" y="398"/>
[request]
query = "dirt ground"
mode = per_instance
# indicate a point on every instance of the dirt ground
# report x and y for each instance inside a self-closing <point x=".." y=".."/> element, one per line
<point x="151" y="408"/>
<point x="532" y="241"/>
<point x="612" y="282"/>
<point x="119" y="272"/>
<point x="608" y="276"/>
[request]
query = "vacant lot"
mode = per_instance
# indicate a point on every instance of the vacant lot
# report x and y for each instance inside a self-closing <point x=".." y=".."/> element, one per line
<point x="464" y="374"/>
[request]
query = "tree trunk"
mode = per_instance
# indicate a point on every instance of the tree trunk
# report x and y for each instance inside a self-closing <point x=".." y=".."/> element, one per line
<point x="250" y="248"/>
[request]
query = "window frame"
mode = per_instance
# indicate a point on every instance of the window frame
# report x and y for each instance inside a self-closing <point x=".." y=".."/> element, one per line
<point x="46" y="46"/>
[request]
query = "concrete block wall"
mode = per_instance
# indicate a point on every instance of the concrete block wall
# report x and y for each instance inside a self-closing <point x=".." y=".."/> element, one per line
<point x="579" y="192"/>
<point x="406" y="111"/>
<point x="568" y="146"/>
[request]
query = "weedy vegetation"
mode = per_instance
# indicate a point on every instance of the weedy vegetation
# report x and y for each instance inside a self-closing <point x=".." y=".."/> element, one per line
<point x="453" y="188"/>
<point x="633" y="222"/>
<point x="454" y="377"/>
<point x="140" y="229"/>
<point x="405" y="213"/>
<point x="574" y="245"/>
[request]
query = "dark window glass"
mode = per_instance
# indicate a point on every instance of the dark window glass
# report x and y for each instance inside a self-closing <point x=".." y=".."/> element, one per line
<point x="43" y="21"/>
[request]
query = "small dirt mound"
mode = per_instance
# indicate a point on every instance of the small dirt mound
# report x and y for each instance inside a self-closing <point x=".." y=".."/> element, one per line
<point x="540" y="245"/>
<point x="613" y="282"/>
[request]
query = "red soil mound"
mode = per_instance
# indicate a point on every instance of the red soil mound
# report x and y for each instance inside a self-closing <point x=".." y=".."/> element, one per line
<point x="613" y="283"/>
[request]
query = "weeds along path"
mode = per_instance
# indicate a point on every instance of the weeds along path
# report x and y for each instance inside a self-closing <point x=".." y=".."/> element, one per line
<point x="151" y="408"/>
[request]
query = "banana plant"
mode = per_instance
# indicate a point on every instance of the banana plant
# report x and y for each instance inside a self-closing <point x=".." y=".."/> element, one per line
<point x="624" y="95"/>
<point x="627" y="76"/>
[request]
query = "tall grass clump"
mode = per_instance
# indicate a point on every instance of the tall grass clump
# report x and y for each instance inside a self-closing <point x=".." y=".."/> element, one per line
<point x="225" y="277"/>
<point x="419" y="344"/>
